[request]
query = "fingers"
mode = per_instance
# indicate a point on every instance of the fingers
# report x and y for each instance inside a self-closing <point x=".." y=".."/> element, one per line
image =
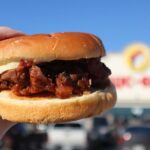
<point x="4" y="126"/>
<point x="6" y="32"/>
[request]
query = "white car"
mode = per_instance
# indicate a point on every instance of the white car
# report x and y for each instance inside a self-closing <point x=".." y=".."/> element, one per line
<point x="67" y="136"/>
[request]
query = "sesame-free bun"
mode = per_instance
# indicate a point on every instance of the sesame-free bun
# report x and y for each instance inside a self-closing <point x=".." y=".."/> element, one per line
<point x="46" y="48"/>
<point x="49" y="47"/>
<point x="55" y="110"/>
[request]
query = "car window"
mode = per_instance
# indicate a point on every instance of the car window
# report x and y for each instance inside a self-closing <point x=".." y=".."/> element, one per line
<point x="97" y="122"/>
<point x="139" y="130"/>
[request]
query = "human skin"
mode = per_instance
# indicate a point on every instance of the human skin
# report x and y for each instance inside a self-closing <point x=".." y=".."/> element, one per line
<point x="5" y="33"/>
<point x="4" y="126"/>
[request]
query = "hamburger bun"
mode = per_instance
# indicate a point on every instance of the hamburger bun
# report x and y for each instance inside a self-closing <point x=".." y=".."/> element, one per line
<point x="46" y="48"/>
<point x="49" y="47"/>
<point x="55" y="110"/>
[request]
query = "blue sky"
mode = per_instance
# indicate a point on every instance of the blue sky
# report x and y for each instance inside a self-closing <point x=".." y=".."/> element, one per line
<point x="117" y="22"/>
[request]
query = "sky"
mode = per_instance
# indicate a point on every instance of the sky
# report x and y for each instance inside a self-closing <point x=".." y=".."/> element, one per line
<point x="117" y="22"/>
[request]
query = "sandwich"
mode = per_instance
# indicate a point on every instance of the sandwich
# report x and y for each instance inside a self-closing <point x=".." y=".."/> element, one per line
<point x="54" y="78"/>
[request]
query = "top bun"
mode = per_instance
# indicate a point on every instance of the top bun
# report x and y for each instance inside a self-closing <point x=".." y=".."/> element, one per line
<point x="49" y="47"/>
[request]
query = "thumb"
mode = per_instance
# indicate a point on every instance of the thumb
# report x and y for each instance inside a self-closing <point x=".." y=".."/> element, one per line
<point x="6" y="32"/>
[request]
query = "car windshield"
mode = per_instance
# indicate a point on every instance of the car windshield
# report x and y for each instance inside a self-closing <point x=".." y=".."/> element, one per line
<point x="70" y="125"/>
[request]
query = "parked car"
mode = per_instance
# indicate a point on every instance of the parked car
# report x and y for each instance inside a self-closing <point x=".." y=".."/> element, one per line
<point x="25" y="137"/>
<point x="134" y="137"/>
<point x="67" y="136"/>
<point x="101" y="136"/>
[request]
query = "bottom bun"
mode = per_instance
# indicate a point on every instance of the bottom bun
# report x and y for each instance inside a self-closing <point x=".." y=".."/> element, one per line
<point x="54" y="110"/>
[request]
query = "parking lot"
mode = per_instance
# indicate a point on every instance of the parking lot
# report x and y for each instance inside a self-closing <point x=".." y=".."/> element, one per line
<point x="126" y="130"/>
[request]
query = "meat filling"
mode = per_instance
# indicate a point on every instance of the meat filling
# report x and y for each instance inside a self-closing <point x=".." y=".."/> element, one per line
<point x="59" y="78"/>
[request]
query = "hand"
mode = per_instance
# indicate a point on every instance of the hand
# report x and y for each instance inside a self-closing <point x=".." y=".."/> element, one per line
<point x="4" y="126"/>
<point x="6" y="33"/>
